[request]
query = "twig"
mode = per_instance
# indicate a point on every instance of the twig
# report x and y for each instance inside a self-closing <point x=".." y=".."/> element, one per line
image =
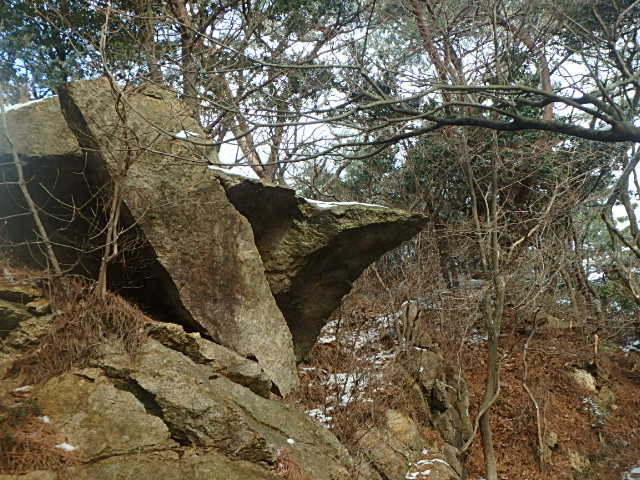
<point x="541" y="453"/>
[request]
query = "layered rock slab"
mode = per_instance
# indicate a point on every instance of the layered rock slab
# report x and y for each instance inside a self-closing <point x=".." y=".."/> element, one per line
<point x="313" y="251"/>
<point x="166" y="416"/>
<point x="206" y="268"/>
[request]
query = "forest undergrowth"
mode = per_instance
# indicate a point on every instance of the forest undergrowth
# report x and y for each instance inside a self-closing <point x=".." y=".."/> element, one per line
<point x="352" y="377"/>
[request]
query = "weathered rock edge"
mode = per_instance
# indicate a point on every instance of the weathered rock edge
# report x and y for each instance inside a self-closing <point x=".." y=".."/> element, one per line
<point x="313" y="251"/>
<point x="194" y="259"/>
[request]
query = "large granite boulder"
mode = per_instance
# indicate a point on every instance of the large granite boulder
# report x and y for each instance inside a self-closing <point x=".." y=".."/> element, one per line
<point x="38" y="129"/>
<point x="313" y="251"/>
<point x="205" y="265"/>
<point x="245" y="264"/>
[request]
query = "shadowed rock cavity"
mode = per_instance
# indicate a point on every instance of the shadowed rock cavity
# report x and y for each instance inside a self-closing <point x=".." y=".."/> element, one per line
<point x="313" y="251"/>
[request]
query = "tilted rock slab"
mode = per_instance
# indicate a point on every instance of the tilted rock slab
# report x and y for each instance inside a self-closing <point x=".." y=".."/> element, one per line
<point x="206" y="266"/>
<point x="313" y="251"/>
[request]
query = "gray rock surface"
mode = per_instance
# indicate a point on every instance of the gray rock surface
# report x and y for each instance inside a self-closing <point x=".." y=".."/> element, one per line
<point x="165" y="416"/>
<point x="313" y="251"/>
<point x="38" y="129"/>
<point x="206" y="264"/>
<point x="24" y="320"/>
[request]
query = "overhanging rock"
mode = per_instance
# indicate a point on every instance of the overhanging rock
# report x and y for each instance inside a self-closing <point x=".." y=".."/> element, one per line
<point x="313" y="251"/>
<point x="204" y="248"/>
<point x="38" y="129"/>
<point x="193" y="255"/>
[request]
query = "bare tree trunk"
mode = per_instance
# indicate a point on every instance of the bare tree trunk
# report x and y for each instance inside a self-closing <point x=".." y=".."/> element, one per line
<point x="493" y="310"/>
<point x="144" y="12"/>
<point x="187" y="43"/>
<point x="491" y="387"/>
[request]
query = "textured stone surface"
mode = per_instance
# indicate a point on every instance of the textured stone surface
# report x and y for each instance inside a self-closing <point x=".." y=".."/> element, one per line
<point x="393" y="446"/>
<point x="195" y="465"/>
<point x="11" y="315"/>
<point x="23" y="320"/>
<point x="583" y="379"/>
<point x="219" y="359"/>
<point x="206" y="264"/>
<point x="164" y="416"/>
<point x="313" y="251"/>
<point x="445" y="394"/>
<point x="39" y="475"/>
<point x="397" y="449"/>
<point x="44" y="117"/>
<point x="99" y="418"/>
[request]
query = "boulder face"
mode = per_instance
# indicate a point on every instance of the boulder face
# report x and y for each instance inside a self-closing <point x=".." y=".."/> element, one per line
<point x="53" y="138"/>
<point x="205" y="260"/>
<point x="228" y="268"/>
<point x="313" y="251"/>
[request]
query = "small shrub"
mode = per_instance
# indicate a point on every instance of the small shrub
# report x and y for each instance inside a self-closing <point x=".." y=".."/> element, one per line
<point x="84" y="321"/>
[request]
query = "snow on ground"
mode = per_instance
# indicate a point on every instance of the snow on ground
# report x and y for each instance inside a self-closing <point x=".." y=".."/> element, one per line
<point x="349" y="386"/>
<point x="321" y="416"/>
<point x="18" y="106"/>
<point x="321" y="204"/>
<point x="477" y="338"/>
<point x="633" y="474"/>
<point x="631" y="346"/>
<point x="345" y="387"/>
<point x="67" y="447"/>
<point x="26" y="388"/>
<point x="424" y="467"/>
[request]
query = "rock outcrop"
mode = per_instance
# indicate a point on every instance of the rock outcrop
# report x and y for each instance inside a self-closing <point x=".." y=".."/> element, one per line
<point x="184" y="408"/>
<point x="193" y="258"/>
<point x="228" y="268"/>
<point x="313" y="251"/>
<point x="25" y="318"/>
<point x="205" y="257"/>
<point x="38" y="129"/>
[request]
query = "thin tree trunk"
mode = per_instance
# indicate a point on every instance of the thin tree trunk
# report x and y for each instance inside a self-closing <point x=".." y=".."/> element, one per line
<point x="491" y="388"/>
<point x="187" y="43"/>
<point x="33" y="208"/>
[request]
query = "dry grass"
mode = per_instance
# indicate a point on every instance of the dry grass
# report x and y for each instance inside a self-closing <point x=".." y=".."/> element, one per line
<point x="84" y="321"/>
<point x="288" y="467"/>
<point x="450" y="316"/>
<point x="28" y="443"/>
<point x="358" y="371"/>
<point x="610" y="441"/>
